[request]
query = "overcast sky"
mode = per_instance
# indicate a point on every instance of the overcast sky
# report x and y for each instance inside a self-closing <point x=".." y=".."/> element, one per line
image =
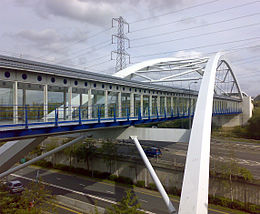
<point x="77" y="33"/>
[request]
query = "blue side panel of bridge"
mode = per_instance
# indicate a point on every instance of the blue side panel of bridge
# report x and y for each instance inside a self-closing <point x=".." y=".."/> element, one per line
<point x="13" y="131"/>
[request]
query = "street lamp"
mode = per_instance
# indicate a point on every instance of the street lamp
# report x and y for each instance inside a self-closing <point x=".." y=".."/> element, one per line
<point x="190" y="103"/>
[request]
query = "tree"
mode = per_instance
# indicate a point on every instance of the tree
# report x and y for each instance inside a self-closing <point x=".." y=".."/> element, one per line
<point x="33" y="200"/>
<point x="253" y="127"/>
<point x="85" y="151"/>
<point x="128" y="205"/>
<point x="109" y="149"/>
<point x="230" y="170"/>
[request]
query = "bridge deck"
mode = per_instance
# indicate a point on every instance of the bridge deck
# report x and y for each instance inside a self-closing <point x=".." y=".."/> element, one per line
<point x="30" y="129"/>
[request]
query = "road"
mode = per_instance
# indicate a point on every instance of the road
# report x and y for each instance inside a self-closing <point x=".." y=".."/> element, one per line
<point x="245" y="154"/>
<point x="89" y="190"/>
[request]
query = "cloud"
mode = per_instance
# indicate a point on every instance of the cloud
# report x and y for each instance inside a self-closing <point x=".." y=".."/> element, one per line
<point x="49" y="40"/>
<point x="43" y="37"/>
<point x="188" y="54"/>
<point x="98" y="12"/>
<point x="92" y="12"/>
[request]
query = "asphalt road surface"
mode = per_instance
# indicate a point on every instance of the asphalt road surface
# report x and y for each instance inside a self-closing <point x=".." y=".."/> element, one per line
<point x="245" y="154"/>
<point x="92" y="191"/>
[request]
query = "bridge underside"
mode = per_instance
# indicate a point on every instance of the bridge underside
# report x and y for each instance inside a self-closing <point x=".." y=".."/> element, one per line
<point x="30" y="131"/>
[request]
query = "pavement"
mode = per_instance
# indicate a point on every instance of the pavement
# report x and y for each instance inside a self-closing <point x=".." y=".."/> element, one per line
<point x="94" y="191"/>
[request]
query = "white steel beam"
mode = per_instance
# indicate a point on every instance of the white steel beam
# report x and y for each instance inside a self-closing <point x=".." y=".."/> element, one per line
<point x="89" y="104"/>
<point x="70" y="103"/>
<point x="45" y="103"/>
<point x="106" y="104"/>
<point x="12" y="170"/>
<point x="15" y="102"/>
<point x="194" y="196"/>
<point x="155" y="178"/>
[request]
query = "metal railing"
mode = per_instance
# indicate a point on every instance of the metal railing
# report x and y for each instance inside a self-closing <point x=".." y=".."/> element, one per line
<point x="31" y="115"/>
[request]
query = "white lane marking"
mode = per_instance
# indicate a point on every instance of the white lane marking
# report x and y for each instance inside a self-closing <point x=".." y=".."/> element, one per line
<point x="82" y="185"/>
<point x="143" y="200"/>
<point x="110" y="192"/>
<point x="76" y="192"/>
<point x="58" y="179"/>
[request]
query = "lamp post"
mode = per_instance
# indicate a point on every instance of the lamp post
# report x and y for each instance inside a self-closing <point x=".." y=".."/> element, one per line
<point x="190" y="103"/>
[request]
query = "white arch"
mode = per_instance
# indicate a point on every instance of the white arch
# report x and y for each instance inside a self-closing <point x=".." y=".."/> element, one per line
<point x="183" y="66"/>
<point x="194" y="197"/>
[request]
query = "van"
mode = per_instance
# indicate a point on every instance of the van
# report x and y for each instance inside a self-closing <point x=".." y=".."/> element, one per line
<point x="153" y="152"/>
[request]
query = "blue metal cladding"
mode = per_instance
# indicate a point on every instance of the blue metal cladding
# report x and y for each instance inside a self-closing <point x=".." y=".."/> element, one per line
<point x="33" y="129"/>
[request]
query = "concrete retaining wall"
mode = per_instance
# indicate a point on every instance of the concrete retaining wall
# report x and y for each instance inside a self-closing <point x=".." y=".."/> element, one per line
<point x="170" y="174"/>
<point x="79" y="205"/>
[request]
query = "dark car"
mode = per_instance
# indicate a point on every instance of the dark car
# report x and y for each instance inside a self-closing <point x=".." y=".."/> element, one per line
<point x="14" y="186"/>
<point x="153" y="152"/>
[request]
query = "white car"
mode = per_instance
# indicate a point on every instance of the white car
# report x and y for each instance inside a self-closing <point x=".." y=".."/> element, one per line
<point x="14" y="186"/>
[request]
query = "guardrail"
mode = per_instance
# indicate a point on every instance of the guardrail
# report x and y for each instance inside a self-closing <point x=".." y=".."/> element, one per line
<point x="33" y="115"/>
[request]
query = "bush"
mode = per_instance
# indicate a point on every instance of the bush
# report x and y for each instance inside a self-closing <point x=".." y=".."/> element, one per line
<point x="102" y="175"/>
<point x="125" y="180"/>
<point x="252" y="208"/>
<point x="140" y="183"/>
<point x="240" y="131"/>
<point x="112" y="177"/>
<point x="152" y="186"/>
<point x="44" y="163"/>
<point x="175" y="191"/>
<point x="238" y="205"/>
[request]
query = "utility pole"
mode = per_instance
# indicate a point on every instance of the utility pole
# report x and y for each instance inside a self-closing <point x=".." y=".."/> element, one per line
<point x="121" y="53"/>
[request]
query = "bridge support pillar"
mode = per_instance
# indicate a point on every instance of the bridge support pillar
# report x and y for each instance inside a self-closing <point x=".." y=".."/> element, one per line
<point x="132" y="104"/>
<point x="89" y="104"/>
<point x="15" y="102"/>
<point x="64" y="105"/>
<point x="70" y="103"/>
<point x="151" y="105"/>
<point x="119" y="105"/>
<point x="159" y="105"/>
<point x="106" y="104"/>
<point x="142" y="104"/>
<point x="165" y="105"/>
<point x="45" y="103"/>
<point x="24" y="97"/>
<point x="171" y="103"/>
<point x="247" y="109"/>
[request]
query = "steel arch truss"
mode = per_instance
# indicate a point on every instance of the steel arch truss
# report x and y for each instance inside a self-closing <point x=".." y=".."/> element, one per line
<point x="179" y="73"/>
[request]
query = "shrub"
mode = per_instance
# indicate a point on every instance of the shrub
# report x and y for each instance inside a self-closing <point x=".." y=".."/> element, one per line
<point x="102" y="175"/>
<point x="125" y="180"/>
<point x="252" y="208"/>
<point x="44" y="163"/>
<point x="238" y="205"/>
<point x="112" y="177"/>
<point x="175" y="191"/>
<point x="140" y="183"/>
<point x="152" y="186"/>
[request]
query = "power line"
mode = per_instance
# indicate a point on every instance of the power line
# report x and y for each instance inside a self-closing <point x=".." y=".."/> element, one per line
<point x="204" y="46"/>
<point x="84" y="53"/>
<point x="80" y="40"/>
<point x="246" y="61"/>
<point x="174" y="11"/>
<point x="90" y="66"/>
<point x="194" y="36"/>
<point x="194" y="27"/>
<point x="93" y="46"/>
<point x="193" y="17"/>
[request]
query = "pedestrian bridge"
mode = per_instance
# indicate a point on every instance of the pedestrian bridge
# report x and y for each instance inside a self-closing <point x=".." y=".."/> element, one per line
<point x="43" y="99"/>
<point x="38" y="100"/>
